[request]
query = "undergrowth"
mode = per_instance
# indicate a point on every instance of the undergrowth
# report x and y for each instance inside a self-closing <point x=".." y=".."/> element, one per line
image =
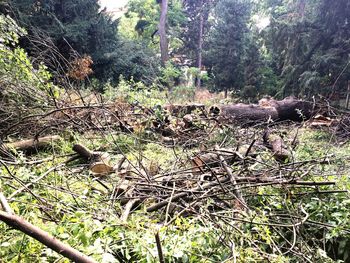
<point x="75" y="206"/>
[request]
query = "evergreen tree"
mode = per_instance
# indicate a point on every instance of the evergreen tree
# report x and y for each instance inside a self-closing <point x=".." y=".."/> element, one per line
<point x="81" y="25"/>
<point x="309" y="42"/>
<point x="227" y="39"/>
<point x="197" y="12"/>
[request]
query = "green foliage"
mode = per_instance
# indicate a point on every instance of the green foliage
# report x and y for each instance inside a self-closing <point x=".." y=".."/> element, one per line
<point x="307" y="41"/>
<point x="21" y="82"/>
<point x="144" y="16"/>
<point x="129" y="59"/>
<point x="225" y="50"/>
<point x="195" y="10"/>
<point x="137" y="93"/>
<point x="303" y="51"/>
<point x="86" y="218"/>
<point x="182" y="94"/>
<point x="80" y="26"/>
<point x="170" y="75"/>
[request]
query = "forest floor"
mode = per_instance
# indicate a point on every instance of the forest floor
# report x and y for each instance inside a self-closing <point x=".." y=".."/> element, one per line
<point x="211" y="192"/>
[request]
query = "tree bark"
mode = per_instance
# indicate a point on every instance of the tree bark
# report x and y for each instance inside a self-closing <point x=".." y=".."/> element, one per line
<point x="162" y="32"/>
<point x="32" y="144"/>
<point x="200" y="45"/>
<point x="268" y="110"/>
<point x="44" y="238"/>
<point x="278" y="147"/>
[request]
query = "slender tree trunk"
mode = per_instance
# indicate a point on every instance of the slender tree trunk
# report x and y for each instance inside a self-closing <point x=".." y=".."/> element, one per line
<point x="200" y="45"/>
<point x="162" y="31"/>
<point x="301" y="8"/>
<point x="347" y="96"/>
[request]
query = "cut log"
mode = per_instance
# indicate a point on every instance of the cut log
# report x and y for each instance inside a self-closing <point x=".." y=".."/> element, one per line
<point x="99" y="161"/>
<point x="32" y="144"/>
<point x="204" y="161"/>
<point x="293" y="109"/>
<point x="244" y="113"/>
<point x="288" y="109"/>
<point x="278" y="147"/>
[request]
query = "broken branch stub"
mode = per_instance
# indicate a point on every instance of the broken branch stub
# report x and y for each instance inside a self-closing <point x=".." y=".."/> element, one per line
<point x="278" y="147"/>
<point x="99" y="161"/>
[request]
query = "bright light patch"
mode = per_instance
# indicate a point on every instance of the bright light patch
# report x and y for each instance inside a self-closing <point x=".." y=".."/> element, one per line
<point x="264" y="22"/>
<point x="113" y="4"/>
<point x="261" y="22"/>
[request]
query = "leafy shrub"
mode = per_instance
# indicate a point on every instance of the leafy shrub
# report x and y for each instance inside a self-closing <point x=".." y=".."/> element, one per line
<point x="182" y="94"/>
<point x="135" y="93"/>
<point x="170" y="75"/>
<point x="23" y="87"/>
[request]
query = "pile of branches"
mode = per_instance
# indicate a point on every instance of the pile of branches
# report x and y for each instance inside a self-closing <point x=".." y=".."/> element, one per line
<point x="216" y="181"/>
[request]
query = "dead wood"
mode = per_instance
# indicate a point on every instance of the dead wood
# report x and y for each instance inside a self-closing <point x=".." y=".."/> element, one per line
<point x="182" y="110"/>
<point x="186" y="194"/>
<point x="83" y="151"/>
<point x="32" y="144"/>
<point x="131" y="204"/>
<point x="206" y="160"/>
<point x="321" y="121"/>
<point x="286" y="181"/>
<point x="243" y="113"/>
<point x="159" y="248"/>
<point x="293" y="109"/>
<point x="4" y="204"/>
<point x="278" y="147"/>
<point x="288" y="109"/>
<point x="44" y="238"/>
<point x="99" y="162"/>
<point x="228" y="170"/>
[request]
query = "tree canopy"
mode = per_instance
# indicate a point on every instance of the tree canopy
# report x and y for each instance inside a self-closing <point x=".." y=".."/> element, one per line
<point x="275" y="47"/>
<point x="82" y="27"/>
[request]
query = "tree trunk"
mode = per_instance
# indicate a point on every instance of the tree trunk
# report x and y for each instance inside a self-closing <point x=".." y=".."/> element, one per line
<point x="162" y="31"/>
<point x="43" y="237"/>
<point x="267" y="110"/>
<point x="32" y="144"/>
<point x="200" y="46"/>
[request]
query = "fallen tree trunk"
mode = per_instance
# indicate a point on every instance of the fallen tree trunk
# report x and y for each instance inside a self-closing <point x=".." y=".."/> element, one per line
<point x="44" y="238"/>
<point x="287" y="109"/>
<point x="32" y="144"/>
